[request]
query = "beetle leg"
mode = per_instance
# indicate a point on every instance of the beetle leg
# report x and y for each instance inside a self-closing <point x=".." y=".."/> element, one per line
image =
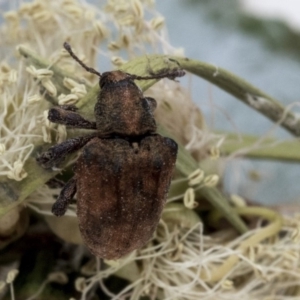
<point x="69" y="117"/>
<point x="56" y="154"/>
<point x="70" y="107"/>
<point x="55" y="183"/>
<point x="65" y="197"/>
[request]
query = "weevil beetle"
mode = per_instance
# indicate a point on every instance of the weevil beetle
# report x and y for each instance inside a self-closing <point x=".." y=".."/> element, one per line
<point x="124" y="171"/>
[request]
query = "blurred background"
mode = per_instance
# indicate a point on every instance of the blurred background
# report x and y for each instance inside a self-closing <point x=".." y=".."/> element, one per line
<point x="260" y="42"/>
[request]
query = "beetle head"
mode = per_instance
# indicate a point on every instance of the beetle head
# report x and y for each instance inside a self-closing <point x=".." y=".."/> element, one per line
<point x="114" y="77"/>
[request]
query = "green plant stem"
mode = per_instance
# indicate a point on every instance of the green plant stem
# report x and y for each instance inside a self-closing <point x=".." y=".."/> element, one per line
<point x="255" y="147"/>
<point x="244" y="91"/>
<point x="234" y="85"/>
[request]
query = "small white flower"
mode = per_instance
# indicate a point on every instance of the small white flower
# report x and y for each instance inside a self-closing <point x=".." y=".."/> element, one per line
<point x="2" y="149"/>
<point x="34" y="99"/>
<point x="17" y="173"/>
<point x="49" y="86"/>
<point x="80" y="284"/>
<point x="196" y="177"/>
<point x="189" y="199"/>
<point x="211" y="180"/>
<point x="12" y="274"/>
<point x="67" y="99"/>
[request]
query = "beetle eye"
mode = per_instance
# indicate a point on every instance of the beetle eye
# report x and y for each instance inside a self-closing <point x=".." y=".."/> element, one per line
<point x="152" y="103"/>
<point x="102" y="83"/>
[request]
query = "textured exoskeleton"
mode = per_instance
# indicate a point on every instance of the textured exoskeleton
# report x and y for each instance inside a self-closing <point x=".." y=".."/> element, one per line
<point x="124" y="171"/>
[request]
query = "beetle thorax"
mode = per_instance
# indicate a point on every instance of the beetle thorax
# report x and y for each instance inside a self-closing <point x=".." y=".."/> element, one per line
<point x="121" y="107"/>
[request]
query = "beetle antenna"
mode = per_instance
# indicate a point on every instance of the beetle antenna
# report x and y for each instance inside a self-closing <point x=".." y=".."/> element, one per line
<point x="69" y="49"/>
<point x="169" y="74"/>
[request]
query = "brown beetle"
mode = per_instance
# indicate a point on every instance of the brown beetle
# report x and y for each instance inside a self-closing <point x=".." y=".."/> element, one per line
<point x="124" y="171"/>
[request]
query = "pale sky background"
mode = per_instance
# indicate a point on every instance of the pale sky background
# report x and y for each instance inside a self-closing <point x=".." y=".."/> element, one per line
<point x="286" y="10"/>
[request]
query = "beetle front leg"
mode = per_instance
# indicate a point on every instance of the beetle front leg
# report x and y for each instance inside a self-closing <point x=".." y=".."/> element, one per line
<point x="66" y="195"/>
<point x="56" y="154"/>
<point x="67" y="116"/>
